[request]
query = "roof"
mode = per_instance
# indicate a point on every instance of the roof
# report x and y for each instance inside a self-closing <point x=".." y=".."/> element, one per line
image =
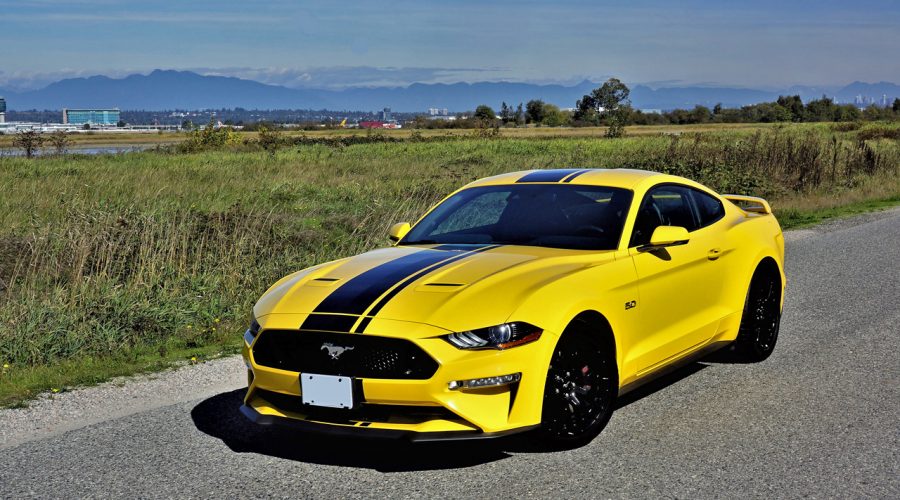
<point x="619" y="177"/>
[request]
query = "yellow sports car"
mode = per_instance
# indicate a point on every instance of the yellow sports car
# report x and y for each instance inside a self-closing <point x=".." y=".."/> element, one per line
<point x="524" y="301"/>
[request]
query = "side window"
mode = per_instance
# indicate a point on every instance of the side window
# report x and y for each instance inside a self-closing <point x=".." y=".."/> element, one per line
<point x="709" y="208"/>
<point x="663" y="206"/>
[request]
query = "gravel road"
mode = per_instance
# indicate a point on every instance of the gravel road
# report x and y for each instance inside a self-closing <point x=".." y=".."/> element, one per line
<point x="820" y="418"/>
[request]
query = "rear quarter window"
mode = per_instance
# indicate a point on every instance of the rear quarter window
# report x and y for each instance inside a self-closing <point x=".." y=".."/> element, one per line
<point x="709" y="208"/>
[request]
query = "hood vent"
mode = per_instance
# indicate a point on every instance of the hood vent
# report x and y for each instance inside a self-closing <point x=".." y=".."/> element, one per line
<point x="323" y="282"/>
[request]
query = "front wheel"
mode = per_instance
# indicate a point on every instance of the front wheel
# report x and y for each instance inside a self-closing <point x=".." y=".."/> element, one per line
<point x="582" y="384"/>
<point x="762" y="317"/>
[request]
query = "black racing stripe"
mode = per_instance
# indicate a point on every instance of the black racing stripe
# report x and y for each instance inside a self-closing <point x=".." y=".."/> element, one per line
<point x="358" y="293"/>
<point x="576" y="174"/>
<point x="387" y="298"/>
<point x="329" y="322"/>
<point x="555" y="175"/>
<point x="363" y="324"/>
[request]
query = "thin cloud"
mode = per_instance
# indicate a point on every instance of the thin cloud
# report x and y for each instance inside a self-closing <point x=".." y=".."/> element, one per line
<point x="339" y="77"/>
<point x="332" y="78"/>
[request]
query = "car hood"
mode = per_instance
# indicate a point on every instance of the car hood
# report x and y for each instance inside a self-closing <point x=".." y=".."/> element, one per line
<point x="452" y="287"/>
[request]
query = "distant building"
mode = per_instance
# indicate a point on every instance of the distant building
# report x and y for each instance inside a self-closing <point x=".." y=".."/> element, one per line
<point x="91" y="116"/>
<point x="2" y="110"/>
<point x="438" y="112"/>
<point x="386" y="115"/>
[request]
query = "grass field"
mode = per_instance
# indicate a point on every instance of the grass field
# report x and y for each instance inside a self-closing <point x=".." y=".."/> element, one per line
<point x="167" y="138"/>
<point x="115" y="264"/>
<point x="109" y="139"/>
<point x="547" y="132"/>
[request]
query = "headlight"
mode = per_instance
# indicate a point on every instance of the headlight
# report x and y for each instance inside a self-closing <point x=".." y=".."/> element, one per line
<point x="252" y="331"/>
<point x="496" y="337"/>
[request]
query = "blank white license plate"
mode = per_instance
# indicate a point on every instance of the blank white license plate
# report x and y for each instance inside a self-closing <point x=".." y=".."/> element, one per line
<point x="326" y="390"/>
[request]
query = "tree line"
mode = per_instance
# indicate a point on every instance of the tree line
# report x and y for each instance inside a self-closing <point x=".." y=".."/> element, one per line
<point x="784" y="109"/>
<point x="610" y="106"/>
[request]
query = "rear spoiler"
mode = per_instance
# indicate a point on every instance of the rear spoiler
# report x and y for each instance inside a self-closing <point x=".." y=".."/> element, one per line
<point x="749" y="203"/>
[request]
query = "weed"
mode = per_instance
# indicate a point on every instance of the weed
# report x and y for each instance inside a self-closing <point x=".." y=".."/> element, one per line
<point x="121" y="263"/>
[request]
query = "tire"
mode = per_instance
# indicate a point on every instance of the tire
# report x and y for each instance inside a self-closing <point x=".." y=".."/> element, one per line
<point x="580" y="393"/>
<point x="761" y="319"/>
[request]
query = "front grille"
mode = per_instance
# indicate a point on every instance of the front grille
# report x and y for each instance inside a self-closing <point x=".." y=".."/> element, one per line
<point x="397" y="414"/>
<point x="363" y="356"/>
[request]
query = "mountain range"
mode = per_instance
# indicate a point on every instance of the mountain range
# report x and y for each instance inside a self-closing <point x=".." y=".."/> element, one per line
<point x="169" y="89"/>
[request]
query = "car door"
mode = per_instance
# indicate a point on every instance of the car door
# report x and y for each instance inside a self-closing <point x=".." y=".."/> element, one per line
<point x="713" y="235"/>
<point x="678" y="285"/>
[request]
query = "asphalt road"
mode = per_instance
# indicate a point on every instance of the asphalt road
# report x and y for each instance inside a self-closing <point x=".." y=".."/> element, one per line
<point x="820" y="418"/>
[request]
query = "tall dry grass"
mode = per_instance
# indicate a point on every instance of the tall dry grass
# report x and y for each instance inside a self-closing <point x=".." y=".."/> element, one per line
<point x="102" y="255"/>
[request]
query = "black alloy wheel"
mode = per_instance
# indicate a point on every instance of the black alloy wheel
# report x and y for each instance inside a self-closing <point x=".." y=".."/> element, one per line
<point x="582" y="384"/>
<point x="761" y="319"/>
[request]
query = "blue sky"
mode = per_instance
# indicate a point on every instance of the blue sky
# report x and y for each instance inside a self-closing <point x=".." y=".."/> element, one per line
<point x="338" y="43"/>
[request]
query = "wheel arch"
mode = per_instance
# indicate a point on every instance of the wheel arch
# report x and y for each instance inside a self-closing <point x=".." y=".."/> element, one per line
<point x="746" y="268"/>
<point x="596" y="326"/>
<point x="769" y="264"/>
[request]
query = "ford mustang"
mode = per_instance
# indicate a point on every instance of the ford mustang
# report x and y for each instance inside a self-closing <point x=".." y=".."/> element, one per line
<point x="525" y="301"/>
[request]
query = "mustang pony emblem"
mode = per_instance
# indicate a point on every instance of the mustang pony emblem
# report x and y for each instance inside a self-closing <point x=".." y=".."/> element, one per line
<point x="335" y="351"/>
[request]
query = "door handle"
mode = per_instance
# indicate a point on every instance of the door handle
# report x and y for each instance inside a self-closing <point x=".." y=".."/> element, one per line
<point x="714" y="253"/>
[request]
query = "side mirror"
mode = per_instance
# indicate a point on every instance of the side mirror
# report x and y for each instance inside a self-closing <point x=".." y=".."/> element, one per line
<point x="666" y="236"/>
<point x="398" y="231"/>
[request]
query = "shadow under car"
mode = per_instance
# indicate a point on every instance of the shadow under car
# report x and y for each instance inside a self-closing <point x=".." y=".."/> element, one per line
<point x="219" y="416"/>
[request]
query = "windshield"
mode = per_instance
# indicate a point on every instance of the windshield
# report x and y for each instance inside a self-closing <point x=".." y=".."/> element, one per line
<point x="547" y="215"/>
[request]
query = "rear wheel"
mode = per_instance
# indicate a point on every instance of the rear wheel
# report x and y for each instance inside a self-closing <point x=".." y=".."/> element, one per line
<point x="582" y="384"/>
<point x="762" y="317"/>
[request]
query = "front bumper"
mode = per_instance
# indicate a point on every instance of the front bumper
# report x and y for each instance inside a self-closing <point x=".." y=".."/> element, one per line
<point x="357" y="431"/>
<point x="417" y="410"/>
